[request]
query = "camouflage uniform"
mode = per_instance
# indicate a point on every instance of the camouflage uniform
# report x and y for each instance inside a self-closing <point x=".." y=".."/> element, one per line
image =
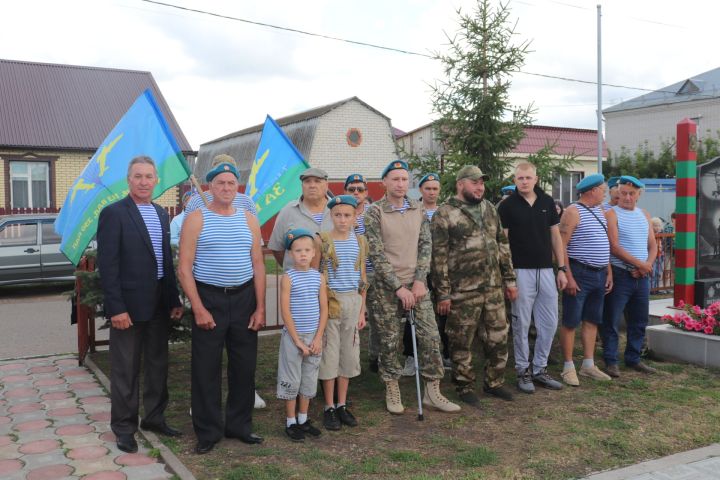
<point x="471" y="265"/>
<point x="388" y="310"/>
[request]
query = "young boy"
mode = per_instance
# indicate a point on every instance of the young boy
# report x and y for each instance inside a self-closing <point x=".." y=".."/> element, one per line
<point x="303" y="304"/>
<point x="343" y="266"/>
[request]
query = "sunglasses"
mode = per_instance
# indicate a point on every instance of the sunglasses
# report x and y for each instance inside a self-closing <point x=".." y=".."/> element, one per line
<point x="355" y="189"/>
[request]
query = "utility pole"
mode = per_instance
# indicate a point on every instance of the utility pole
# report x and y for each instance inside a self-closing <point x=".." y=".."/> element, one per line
<point x="599" y="92"/>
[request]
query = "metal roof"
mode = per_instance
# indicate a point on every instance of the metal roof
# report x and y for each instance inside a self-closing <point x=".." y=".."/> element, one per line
<point x="54" y="106"/>
<point x="700" y="87"/>
<point x="567" y="141"/>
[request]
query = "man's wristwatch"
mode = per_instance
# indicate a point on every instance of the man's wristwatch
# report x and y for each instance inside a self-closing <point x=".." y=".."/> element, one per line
<point x="562" y="269"/>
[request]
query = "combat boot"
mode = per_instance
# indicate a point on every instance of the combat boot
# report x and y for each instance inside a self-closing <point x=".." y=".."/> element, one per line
<point x="393" y="401"/>
<point x="433" y="398"/>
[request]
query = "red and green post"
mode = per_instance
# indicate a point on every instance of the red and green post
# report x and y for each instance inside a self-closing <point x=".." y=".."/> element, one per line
<point x="685" y="211"/>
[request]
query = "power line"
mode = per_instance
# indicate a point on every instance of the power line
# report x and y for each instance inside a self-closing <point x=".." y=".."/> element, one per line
<point x="399" y="50"/>
<point x="288" y="29"/>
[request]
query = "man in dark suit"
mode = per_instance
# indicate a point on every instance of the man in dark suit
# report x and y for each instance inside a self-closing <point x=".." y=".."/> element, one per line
<point x="140" y="295"/>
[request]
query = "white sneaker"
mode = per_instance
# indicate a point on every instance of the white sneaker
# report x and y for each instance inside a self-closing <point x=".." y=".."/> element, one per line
<point x="409" y="369"/>
<point x="259" y="402"/>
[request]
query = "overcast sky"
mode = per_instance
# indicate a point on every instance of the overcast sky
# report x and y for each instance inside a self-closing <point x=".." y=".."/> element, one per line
<point x="221" y="75"/>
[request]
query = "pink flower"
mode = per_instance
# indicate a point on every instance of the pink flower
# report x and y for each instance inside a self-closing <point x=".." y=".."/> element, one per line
<point x="681" y="304"/>
<point x="689" y="325"/>
<point x="708" y="330"/>
<point x="698" y="327"/>
<point x="697" y="310"/>
<point x="677" y="320"/>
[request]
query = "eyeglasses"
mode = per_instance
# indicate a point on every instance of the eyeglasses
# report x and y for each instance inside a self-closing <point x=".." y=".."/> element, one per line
<point x="355" y="189"/>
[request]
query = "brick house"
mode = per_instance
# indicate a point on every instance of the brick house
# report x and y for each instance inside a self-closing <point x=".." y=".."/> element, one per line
<point x="568" y="141"/>
<point x="52" y="120"/>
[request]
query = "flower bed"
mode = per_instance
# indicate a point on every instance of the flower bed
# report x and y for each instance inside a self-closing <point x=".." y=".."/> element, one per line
<point x="695" y="319"/>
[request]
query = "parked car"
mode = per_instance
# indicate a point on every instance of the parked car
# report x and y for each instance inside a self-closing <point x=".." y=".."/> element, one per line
<point x="30" y="250"/>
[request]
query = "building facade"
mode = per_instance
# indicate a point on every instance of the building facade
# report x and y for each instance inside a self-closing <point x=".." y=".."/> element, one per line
<point x="53" y="118"/>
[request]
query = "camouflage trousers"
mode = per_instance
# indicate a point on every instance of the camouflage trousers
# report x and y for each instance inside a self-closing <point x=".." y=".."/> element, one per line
<point x="371" y="309"/>
<point x="480" y="314"/>
<point x="389" y="320"/>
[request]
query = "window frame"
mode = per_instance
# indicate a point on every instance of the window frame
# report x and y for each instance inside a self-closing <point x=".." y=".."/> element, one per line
<point x="30" y="157"/>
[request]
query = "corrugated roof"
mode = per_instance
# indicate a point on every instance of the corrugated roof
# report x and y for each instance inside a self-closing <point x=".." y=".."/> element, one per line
<point x="700" y="87"/>
<point x="577" y="141"/>
<point x="297" y="117"/>
<point x="45" y="105"/>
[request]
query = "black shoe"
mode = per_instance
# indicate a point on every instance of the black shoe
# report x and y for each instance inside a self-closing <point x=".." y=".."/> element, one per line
<point x="309" y="429"/>
<point x="500" y="392"/>
<point x="643" y="368"/>
<point x="202" y="448"/>
<point x="373" y="365"/>
<point x="127" y="443"/>
<point x="345" y="417"/>
<point x="470" y="398"/>
<point x="161" y="428"/>
<point x="295" y="433"/>
<point x="251" y="439"/>
<point x="331" y="420"/>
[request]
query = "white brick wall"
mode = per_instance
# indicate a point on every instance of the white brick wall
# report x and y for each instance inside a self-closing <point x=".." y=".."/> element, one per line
<point x="331" y="151"/>
<point x="631" y="128"/>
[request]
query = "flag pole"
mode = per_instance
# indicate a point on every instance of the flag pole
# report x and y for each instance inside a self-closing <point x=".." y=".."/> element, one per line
<point x="200" y="190"/>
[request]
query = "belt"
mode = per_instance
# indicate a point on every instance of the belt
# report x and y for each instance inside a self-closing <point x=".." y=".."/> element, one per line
<point x="226" y="290"/>
<point x="586" y="266"/>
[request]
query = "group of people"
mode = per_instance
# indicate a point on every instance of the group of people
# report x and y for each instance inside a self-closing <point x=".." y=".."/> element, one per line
<point x="453" y="268"/>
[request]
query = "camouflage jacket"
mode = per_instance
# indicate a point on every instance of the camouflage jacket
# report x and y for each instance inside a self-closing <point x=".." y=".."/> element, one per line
<point x="384" y="270"/>
<point x="470" y="250"/>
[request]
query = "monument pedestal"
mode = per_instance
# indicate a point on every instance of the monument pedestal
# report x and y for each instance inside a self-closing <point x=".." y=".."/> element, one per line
<point x="707" y="291"/>
<point x="670" y="343"/>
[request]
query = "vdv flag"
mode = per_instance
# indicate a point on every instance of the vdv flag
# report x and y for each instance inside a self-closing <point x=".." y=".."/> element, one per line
<point x="275" y="173"/>
<point x="141" y="131"/>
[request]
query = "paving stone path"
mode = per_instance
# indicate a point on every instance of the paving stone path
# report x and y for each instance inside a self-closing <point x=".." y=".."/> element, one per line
<point x="55" y="424"/>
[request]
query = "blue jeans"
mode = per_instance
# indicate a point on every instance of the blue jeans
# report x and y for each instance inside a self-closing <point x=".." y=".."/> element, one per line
<point x="632" y="296"/>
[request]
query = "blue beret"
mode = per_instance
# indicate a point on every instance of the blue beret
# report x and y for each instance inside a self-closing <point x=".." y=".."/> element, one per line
<point x="342" y="200"/>
<point x="296" y="233"/>
<point x="429" y="177"/>
<point x="590" y="182"/>
<point x="508" y="189"/>
<point x="221" y="168"/>
<point x="395" y="165"/>
<point x="355" y="177"/>
<point x="630" y="180"/>
<point x="613" y="181"/>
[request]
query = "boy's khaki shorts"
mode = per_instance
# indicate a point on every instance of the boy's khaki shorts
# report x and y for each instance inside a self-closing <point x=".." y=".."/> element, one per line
<point x="341" y="342"/>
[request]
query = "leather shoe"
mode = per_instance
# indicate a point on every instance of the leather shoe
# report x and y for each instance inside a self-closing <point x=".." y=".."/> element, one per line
<point x="643" y="368"/>
<point x="251" y="439"/>
<point x="127" y="443"/>
<point x="161" y="428"/>
<point x="613" y="370"/>
<point x="204" y="447"/>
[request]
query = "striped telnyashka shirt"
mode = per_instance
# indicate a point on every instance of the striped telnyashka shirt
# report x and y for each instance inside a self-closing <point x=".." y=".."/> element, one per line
<point x="345" y="278"/>
<point x="152" y="223"/>
<point x="305" y="299"/>
<point x="589" y="243"/>
<point x="632" y="233"/>
<point x="223" y="254"/>
<point x="429" y="213"/>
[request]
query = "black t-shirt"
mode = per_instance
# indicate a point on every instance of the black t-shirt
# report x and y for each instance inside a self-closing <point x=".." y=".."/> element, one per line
<point x="529" y="229"/>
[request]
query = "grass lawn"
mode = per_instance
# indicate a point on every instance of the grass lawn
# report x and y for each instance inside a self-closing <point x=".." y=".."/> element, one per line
<point x="548" y="435"/>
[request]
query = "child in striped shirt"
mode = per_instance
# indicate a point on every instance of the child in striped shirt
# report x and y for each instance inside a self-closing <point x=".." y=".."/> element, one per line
<point x="303" y="304"/>
<point x="343" y="265"/>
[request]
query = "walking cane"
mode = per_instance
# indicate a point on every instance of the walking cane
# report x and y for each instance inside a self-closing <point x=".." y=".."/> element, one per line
<point x="411" y="319"/>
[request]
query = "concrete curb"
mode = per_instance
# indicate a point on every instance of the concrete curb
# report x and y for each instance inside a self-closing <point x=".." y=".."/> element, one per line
<point x="659" y="464"/>
<point x="172" y="462"/>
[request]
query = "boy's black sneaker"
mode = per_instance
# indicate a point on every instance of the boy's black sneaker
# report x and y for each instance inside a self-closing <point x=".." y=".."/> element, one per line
<point x="346" y="417"/>
<point x="331" y="420"/>
<point x="309" y="429"/>
<point x="295" y="433"/>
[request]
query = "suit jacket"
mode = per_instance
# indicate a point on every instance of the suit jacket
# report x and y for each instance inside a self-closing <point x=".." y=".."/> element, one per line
<point x="127" y="264"/>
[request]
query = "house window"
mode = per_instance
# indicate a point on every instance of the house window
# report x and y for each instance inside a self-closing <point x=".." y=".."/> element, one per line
<point x="29" y="184"/>
<point x="564" y="187"/>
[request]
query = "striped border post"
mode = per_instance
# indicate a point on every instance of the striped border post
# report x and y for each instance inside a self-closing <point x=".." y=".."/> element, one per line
<point x="686" y="211"/>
